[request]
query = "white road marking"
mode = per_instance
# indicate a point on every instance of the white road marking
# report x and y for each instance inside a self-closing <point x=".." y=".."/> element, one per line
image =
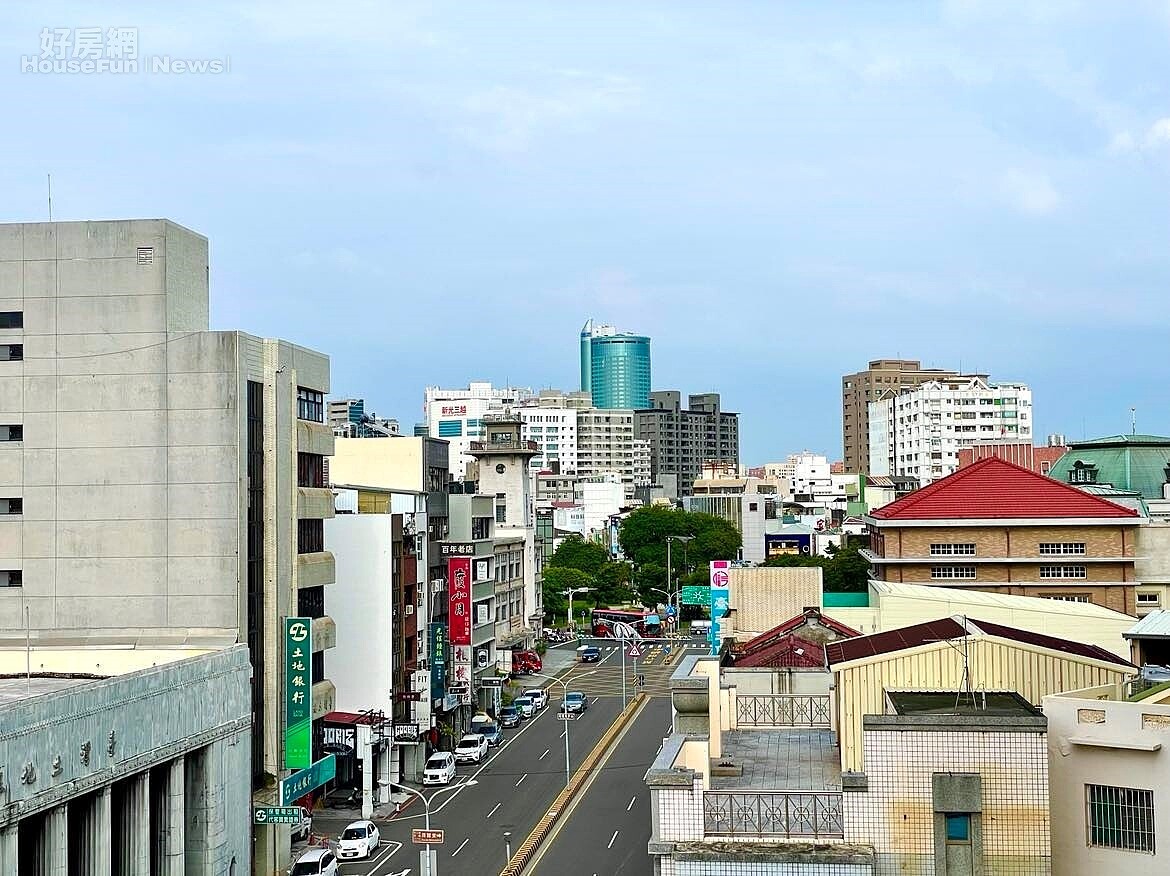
<point x="546" y="751"/>
<point x="497" y="806"/>
<point x="522" y="778"/>
<point x="631" y="806"/>
<point x="563" y="732"/>
<point x="611" y="839"/>
<point x="461" y="845"/>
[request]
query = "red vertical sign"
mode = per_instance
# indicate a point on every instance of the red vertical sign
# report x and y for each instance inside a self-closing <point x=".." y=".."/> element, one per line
<point x="459" y="600"/>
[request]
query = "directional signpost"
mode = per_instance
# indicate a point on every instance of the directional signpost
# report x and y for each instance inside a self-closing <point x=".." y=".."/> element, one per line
<point x="302" y="782"/>
<point x="692" y="594"/>
<point x="421" y="837"/>
<point x="276" y="815"/>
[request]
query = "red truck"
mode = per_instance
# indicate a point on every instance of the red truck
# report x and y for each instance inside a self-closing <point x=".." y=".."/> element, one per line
<point x="526" y="662"/>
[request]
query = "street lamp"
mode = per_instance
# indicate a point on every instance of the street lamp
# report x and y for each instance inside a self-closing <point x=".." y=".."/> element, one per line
<point x="684" y="539"/>
<point x="569" y="609"/>
<point x="426" y="869"/>
<point x="564" y="693"/>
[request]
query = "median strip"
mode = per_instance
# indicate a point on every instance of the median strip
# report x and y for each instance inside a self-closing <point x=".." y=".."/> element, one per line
<point x="527" y="849"/>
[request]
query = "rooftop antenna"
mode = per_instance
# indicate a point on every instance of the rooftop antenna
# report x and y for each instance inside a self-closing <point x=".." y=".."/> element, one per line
<point x="1133" y="421"/>
<point x="49" y="178"/>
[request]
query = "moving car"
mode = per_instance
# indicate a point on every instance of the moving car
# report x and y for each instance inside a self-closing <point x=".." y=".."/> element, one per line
<point x="575" y="701"/>
<point x="527" y="710"/>
<point x="302" y="829"/>
<point x="471" y="748"/>
<point x="439" y="769"/>
<point x="589" y="654"/>
<point x="358" y="840"/>
<point x="700" y="627"/>
<point x="510" y="716"/>
<point x="315" y="862"/>
<point x="538" y="696"/>
<point x="490" y="731"/>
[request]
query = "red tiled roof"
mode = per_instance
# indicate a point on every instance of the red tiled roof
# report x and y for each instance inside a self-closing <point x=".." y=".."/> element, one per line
<point x="797" y="622"/>
<point x="950" y="628"/>
<point x="788" y="651"/>
<point x="995" y="488"/>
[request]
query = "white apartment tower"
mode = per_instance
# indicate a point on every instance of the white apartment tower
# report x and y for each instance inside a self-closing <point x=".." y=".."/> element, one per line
<point x="456" y="415"/>
<point x="918" y="432"/>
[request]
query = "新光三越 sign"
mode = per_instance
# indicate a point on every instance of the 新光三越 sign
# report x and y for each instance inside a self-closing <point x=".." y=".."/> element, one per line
<point x="720" y="601"/>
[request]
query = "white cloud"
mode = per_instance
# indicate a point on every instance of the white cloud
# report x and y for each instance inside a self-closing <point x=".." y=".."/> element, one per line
<point x="1030" y="192"/>
<point x="1157" y="137"/>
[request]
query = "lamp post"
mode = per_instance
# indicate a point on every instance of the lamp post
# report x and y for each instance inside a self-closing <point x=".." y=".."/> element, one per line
<point x="684" y="539"/>
<point x="569" y="607"/>
<point x="425" y="869"/>
<point x="564" y="692"/>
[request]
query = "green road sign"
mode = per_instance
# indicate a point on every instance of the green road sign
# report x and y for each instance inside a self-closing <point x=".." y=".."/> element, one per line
<point x="695" y="595"/>
<point x="302" y="782"/>
<point x="298" y="692"/>
<point x="276" y="815"/>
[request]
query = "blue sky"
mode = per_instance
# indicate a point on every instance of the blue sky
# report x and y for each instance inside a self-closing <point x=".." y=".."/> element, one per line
<point x="775" y="192"/>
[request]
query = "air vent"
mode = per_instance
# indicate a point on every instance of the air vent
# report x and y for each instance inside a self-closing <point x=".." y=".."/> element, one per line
<point x="146" y="255"/>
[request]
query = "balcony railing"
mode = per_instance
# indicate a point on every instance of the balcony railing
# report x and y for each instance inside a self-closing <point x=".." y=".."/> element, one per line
<point x="782" y="710"/>
<point x="504" y="446"/>
<point x="780" y="814"/>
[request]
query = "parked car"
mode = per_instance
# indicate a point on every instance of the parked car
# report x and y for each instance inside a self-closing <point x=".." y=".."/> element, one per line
<point x="490" y="731"/>
<point x="527" y="710"/>
<point x="304" y="827"/>
<point x="471" y="748"/>
<point x="358" y="840"/>
<point x="589" y="654"/>
<point x="700" y="627"/>
<point x="575" y="701"/>
<point x="439" y="769"/>
<point x="538" y="696"/>
<point x="510" y="716"/>
<point x="315" y="862"/>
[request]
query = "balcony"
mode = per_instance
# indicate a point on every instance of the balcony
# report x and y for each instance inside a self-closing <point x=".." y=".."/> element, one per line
<point x="324" y="633"/>
<point x="511" y="448"/>
<point x="315" y="569"/>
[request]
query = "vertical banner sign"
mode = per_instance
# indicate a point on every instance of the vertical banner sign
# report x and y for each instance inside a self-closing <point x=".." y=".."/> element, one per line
<point x="438" y="661"/>
<point x="459" y="619"/>
<point x="720" y="599"/>
<point x="298" y="693"/>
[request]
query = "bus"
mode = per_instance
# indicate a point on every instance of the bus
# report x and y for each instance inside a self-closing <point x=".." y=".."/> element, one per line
<point x="643" y="622"/>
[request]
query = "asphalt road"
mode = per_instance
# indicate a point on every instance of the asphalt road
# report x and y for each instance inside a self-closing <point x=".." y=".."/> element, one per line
<point x="607" y="831"/>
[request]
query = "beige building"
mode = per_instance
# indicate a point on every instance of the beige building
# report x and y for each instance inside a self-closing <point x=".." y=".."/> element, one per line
<point x="1108" y="780"/>
<point x="858" y="390"/>
<point x="163" y="483"/>
<point x="763" y="597"/>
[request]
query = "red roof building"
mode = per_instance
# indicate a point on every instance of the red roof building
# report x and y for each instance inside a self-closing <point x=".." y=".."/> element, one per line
<point x="1037" y="459"/>
<point x="999" y="527"/>
<point x="798" y="643"/>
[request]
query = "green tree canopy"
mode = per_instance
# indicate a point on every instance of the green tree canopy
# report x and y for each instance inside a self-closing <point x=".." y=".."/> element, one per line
<point x="555" y="581"/>
<point x="577" y="553"/>
<point x="845" y="570"/>
<point x="643" y="537"/>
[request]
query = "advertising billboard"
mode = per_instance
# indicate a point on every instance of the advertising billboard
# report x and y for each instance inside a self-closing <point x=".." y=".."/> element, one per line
<point x="720" y="600"/>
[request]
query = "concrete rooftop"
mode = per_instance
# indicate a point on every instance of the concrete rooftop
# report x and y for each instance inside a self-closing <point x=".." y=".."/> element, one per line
<point x="787" y="760"/>
<point x="16" y="688"/>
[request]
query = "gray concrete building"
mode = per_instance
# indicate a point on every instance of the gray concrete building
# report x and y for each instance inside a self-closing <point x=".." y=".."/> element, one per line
<point x="683" y="439"/>
<point x="165" y="483"/>
<point x="122" y="775"/>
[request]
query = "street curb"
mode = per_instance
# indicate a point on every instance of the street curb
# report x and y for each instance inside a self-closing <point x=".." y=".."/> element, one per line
<point x="523" y="855"/>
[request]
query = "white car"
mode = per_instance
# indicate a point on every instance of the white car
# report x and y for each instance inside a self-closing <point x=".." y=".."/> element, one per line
<point x="526" y="706"/>
<point x="439" y="769"/>
<point x="358" y="840"/>
<point x="315" y="862"/>
<point x="471" y="748"/>
<point x="538" y="696"/>
<point x="302" y="830"/>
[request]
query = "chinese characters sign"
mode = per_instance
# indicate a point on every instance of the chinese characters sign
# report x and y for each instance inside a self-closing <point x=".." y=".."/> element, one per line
<point x="457" y="549"/>
<point x="303" y="781"/>
<point x="438" y="661"/>
<point x="459" y="600"/>
<point x="720" y="600"/>
<point x="298" y="693"/>
<point x="454" y="410"/>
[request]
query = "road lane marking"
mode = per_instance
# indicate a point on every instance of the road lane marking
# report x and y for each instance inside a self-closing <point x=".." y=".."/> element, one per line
<point x="631" y="806"/>
<point x="546" y="751"/>
<point x="611" y="839"/>
<point x="461" y="845"/>
<point x="522" y="778"/>
<point x="563" y="732"/>
<point x="497" y="806"/>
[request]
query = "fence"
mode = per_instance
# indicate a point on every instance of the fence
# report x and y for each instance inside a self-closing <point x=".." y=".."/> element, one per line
<point x="781" y="710"/>
<point x="781" y="814"/>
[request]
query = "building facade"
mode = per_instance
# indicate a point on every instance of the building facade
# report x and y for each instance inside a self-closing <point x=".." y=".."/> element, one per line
<point x="348" y="419"/>
<point x="607" y="442"/>
<point x="919" y="431"/>
<point x="858" y="390"/>
<point x="456" y="415"/>
<point x="1022" y="453"/>
<point x="615" y="367"/>
<point x="165" y="482"/>
<point x="1000" y="528"/>
<point x="683" y="439"/>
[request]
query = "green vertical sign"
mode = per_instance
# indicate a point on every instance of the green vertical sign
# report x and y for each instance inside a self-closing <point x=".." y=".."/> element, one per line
<point x="298" y="693"/>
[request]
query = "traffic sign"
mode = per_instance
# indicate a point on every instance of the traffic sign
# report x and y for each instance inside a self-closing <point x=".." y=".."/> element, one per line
<point x="276" y="815"/>
<point x="421" y="837"/>
<point x="568" y="716"/>
<point x="633" y="650"/>
<point x="641" y="680"/>
<point x="302" y="782"/>
<point x="695" y="595"/>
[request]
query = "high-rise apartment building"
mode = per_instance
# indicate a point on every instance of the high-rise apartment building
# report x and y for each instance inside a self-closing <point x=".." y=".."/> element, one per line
<point x="858" y="390"/>
<point x="164" y="483"/>
<point x="682" y="439"/>
<point x="918" y="432"/>
<point x="606" y="442"/>
<point x="457" y="415"/>
<point x="615" y="367"/>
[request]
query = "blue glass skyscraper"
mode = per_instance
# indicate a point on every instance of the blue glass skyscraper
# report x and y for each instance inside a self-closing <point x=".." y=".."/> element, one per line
<point x="615" y="367"/>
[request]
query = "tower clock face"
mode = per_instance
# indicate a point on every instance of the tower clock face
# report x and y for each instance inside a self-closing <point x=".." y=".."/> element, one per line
<point x="500" y="468"/>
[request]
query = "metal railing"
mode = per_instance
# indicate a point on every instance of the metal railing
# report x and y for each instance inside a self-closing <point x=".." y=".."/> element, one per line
<point x="782" y="710"/>
<point x="783" y="814"/>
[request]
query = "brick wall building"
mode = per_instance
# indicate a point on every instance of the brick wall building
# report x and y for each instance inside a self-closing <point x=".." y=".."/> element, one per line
<point x="998" y="527"/>
<point x="1037" y="459"/>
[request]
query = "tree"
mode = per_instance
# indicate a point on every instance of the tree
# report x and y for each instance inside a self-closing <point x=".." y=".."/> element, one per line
<point x="845" y="570"/>
<point x="577" y="553"/>
<point x="555" y="581"/>
<point x="643" y="537"/>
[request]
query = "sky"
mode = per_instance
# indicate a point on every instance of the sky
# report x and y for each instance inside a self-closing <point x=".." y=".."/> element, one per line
<point x="775" y="192"/>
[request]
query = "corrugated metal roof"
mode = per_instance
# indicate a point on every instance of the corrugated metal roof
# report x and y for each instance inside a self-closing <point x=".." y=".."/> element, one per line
<point x="994" y="488"/>
<point x="1154" y="625"/>
<point x="1052" y="643"/>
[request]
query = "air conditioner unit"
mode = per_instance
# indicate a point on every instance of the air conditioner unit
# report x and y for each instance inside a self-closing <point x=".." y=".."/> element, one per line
<point x="481" y="657"/>
<point x="438" y="586"/>
<point x="421" y="598"/>
<point x="410" y="609"/>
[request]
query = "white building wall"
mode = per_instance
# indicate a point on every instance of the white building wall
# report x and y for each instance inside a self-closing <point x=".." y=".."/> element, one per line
<point x="570" y="519"/>
<point x="555" y="431"/>
<point x="456" y="415"/>
<point x="601" y="497"/>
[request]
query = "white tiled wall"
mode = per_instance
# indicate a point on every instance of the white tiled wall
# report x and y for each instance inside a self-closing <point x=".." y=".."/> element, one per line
<point x="680" y="813"/>
<point x="671" y="867"/>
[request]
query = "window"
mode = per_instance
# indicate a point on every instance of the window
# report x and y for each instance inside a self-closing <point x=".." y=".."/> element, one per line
<point x="310" y="405"/>
<point x="501" y="508"/>
<point x="1070" y="597"/>
<point x="1063" y="572"/>
<point x="1119" y="818"/>
<point x="310" y="470"/>
<point x="1082" y="473"/>
<point x="1061" y="548"/>
<point x="958" y="827"/>
<point x="310" y="536"/>
<point x="1149" y="599"/>
<point x="11" y="433"/>
<point x="11" y="578"/>
<point x="450" y="428"/>
<point x="11" y="319"/>
<point x="959" y="549"/>
<point x="11" y="352"/>
<point x="146" y="255"/>
<point x="952" y="572"/>
<point x="11" y="506"/>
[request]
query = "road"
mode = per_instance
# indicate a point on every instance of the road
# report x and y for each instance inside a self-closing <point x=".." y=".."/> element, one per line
<point x="608" y="829"/>
<point x="517" y="784"/>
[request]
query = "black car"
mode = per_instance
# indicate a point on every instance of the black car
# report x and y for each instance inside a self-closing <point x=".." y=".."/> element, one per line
<point x="589" y="653"/>
<point x="509" y="716"/>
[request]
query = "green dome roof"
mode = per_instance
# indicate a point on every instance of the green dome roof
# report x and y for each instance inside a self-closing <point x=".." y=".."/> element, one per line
<point x="1127" y="462"/>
